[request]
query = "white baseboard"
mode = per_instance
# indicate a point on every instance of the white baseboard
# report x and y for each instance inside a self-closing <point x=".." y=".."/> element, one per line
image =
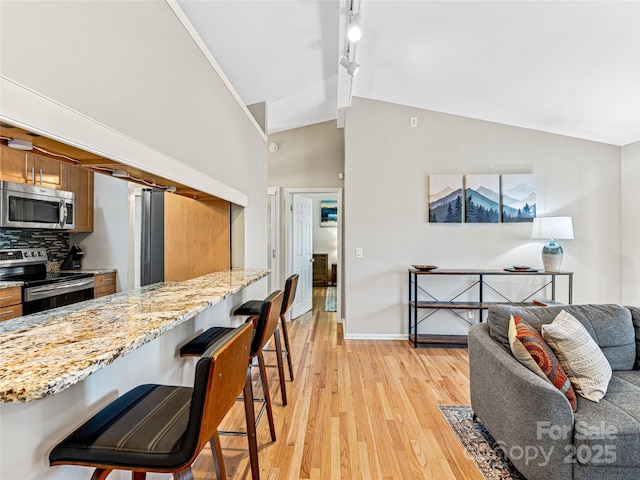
<point x="375" y="336"/>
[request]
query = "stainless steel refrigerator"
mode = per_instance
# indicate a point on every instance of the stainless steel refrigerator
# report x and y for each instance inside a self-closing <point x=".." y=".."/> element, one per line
<point x="152" y="236"/>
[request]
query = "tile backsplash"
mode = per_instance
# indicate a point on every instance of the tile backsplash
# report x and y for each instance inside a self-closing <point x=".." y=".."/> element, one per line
<point x="56" y="242"/>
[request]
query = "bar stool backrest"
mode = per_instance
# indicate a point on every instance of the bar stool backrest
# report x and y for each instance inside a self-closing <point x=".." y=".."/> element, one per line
<point x="290" y="287"/>
<point x="267" y="321"/>
<point x="219" y="379"/>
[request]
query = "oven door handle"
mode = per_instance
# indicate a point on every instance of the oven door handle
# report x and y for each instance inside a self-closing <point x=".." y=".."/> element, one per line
<point x="45" y="291"/>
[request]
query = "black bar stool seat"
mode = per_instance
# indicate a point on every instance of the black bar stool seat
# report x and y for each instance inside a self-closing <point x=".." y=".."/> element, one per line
<point x="163" y="428"/>
<point x="250" y="308"/>
<point x="143" y="427"/>
<point x="202" y="342"/>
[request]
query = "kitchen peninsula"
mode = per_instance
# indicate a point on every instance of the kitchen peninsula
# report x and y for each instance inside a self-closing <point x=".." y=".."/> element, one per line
<point x="59" y="367"/>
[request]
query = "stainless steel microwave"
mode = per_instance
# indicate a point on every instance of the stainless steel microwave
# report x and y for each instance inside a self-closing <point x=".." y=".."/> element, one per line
<point x="29" y="206"/>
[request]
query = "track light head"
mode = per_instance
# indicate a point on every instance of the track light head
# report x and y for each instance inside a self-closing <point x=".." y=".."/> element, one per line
<point x="352" y="67"/>
<point x="354" y="32"/>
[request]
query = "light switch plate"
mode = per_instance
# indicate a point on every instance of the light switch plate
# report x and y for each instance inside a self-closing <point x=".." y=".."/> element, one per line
<point x="359" y="253"/>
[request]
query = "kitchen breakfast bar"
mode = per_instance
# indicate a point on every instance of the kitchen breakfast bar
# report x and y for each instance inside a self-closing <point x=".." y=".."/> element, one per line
<point x="59" y="367"/>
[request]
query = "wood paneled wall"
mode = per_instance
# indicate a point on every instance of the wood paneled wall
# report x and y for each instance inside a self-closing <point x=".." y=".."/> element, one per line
<point x="196" y="237"/>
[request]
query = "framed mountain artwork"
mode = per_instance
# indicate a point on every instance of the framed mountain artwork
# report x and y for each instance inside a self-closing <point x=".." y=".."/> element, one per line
<point x="518" y="198"/>
<point x="445" y="199"/>
<point x="482" y="198"/>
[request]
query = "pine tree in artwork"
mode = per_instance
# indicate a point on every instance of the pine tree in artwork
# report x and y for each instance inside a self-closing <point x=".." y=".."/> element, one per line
<point x="472" y="211"/>
<point x="450" y="217"/>
<point x="458" y="209"/>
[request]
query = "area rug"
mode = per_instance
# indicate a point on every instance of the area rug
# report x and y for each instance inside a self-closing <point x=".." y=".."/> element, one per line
<point x="330" y="300"/>
<point x="479" y="444"/>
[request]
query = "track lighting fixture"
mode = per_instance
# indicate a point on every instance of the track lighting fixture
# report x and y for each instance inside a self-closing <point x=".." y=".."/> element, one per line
<point x="354" y="32"/>
<point x="352" y="67"/>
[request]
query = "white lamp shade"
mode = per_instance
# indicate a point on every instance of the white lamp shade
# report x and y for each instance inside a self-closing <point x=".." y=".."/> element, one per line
<point x="557" y="228"/>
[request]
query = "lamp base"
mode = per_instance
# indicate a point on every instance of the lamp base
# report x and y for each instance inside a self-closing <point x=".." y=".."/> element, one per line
<point x="552" y="255"/>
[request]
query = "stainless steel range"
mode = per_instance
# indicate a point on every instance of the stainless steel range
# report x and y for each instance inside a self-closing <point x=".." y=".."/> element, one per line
<point x="43" y="290"/>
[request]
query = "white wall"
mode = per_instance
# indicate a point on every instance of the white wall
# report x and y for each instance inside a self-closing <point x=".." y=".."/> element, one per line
<point x="386" y="170"/>
<point x="630" y="224"/>
<point x="311" y="156"/>
<point x="108" y="245"/>
<point x="126" y="80"/>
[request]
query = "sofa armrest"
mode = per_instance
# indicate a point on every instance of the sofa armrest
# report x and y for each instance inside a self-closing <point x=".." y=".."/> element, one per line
<point x="528" y="417"/>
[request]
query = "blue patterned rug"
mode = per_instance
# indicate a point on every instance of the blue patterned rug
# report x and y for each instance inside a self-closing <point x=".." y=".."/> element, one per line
<point x="330" y="300"/>
<point x="479" y="444"/>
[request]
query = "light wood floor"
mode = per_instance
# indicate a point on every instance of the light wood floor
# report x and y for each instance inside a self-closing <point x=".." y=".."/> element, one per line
<point x="357" y="410"/>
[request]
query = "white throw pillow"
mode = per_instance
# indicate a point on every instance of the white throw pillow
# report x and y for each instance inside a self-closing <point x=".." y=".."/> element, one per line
<point x="580" y="356"/>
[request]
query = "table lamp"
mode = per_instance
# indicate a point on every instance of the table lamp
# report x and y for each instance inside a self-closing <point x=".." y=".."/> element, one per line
<point x="552" y="228"/>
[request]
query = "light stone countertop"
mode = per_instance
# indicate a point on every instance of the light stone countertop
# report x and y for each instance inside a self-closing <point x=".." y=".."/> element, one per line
<point x="10" y="284"/>
<point x="44" y="353"/>
<point x="95" y="271"/>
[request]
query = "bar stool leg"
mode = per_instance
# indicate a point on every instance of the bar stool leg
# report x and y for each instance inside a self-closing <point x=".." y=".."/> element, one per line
<point x="250" y="416"/>
<point x="138" y="475"/>
<point x="100" y="474"/>
<point x="283" y="388"/>
<point x="285" y="334"/>
<point x="216" y="450"/>
<point x="267" y="396"/>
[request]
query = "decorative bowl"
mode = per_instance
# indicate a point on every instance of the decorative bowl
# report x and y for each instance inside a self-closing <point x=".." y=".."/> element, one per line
<point x="424" y="268"/>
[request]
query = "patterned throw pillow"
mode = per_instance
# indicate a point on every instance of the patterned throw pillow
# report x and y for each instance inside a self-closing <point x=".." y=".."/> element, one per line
<point x="533" y="352"/>
<point x="580" y="356"/>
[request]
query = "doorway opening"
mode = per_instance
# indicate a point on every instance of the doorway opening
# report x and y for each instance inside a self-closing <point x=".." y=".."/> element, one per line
<point x="314" y="238"/>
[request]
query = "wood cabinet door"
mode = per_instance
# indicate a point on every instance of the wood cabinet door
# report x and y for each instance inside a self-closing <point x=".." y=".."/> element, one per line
<point x="105" y="284"/>
<point x="13" y="165"/>
<point x="47" y="172"/>
<point x="80" y="181"/>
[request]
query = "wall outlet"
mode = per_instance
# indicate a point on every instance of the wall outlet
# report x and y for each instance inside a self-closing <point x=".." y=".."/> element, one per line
<point x="471" y="314"/>
<point x="413" y="121"/>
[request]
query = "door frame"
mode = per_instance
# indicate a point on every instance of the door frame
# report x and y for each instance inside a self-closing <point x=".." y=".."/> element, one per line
<point x="273" y="241"/>
<point x="288" y="234"/>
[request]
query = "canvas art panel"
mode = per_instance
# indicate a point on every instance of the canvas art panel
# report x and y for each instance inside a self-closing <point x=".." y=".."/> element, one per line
<point x="482" y="198"/>
<point x="328" y="213"/>
<point x="518" y="198"/>
<point x="445" y="199"/>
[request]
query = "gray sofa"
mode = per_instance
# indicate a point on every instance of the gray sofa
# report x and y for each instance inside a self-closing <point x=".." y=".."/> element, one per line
<point x="533" y="422"/>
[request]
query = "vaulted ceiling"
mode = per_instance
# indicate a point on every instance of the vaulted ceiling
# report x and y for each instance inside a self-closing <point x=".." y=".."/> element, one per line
<point x="571" y="68"/>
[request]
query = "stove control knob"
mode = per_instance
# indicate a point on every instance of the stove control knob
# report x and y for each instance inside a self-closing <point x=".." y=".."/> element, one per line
<point x="27" y="254"/>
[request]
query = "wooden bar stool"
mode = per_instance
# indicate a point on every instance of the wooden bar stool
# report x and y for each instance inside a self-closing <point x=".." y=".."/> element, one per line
<point x="252" y="308"/>
<point x="159" y="428"/>
<point x="265" y="327"/>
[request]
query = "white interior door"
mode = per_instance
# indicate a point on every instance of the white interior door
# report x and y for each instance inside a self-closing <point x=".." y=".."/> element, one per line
<point x="302" y="254"/>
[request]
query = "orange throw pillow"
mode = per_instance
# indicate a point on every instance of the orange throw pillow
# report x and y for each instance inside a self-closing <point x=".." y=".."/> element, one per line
<point x="528" y="346"/>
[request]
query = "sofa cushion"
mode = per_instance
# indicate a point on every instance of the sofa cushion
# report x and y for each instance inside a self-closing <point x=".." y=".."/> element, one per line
<point x="580" y="356"/>
<point x="531" y="350"/>
<point x="609" y="325"/>
<point x="609" y="432"/>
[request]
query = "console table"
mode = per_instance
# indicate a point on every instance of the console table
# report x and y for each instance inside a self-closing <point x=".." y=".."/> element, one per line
<point x="480" y="281"/>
